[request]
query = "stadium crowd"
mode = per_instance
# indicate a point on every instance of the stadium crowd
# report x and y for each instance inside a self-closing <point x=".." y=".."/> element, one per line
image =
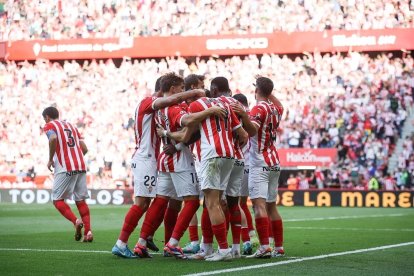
<point x="356" y="103"/>
<point x="57" y="19"/>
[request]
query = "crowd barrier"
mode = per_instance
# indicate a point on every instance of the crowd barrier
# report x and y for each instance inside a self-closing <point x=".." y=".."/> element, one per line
<point x="288" y="198"/>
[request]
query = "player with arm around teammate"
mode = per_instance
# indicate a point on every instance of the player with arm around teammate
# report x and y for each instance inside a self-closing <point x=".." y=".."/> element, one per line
<point x="265" y="169"/>
<point x="144" y="161"/>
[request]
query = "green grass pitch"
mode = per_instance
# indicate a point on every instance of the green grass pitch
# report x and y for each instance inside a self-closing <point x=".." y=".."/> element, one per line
<point x="36" y="240"/>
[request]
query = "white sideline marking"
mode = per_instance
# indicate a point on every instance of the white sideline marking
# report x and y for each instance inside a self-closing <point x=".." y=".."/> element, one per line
<point x="229" y="270"/>
<point x="351" y="229"/>
<point x="343" y="217"/>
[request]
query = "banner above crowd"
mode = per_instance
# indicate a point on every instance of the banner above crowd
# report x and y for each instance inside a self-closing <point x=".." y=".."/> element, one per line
<point x="300" y="157"/>
<point x="143" y="47"/>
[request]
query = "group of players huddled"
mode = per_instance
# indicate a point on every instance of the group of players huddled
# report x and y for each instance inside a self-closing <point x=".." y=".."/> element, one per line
<point x="213" y="148"/>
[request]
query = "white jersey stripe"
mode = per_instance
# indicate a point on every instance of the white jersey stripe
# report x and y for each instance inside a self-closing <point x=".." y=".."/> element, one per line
<point x="72" y="163"/>
<point x="62" y="154"/>
<point x="76" y="149"/>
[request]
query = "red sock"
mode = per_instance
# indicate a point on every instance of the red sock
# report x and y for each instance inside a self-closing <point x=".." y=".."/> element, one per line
<point x="248" y="215"/>
<point x="269" y="223"/>
<point x="235" y="220"/>
<point x="227" y="216"/>
<point x="206" y="229"/>
<point x="154" y="217"/>
<point x="193" y="231"/>
<point x="220" y="232"/>
<point x="130" y="222"/>
<point x="84" y="212"/>
<point x="65" y="210"/>
<point x="190" y="208"/>
<point x="262" y="229"/>
<point x="170" y="219"/>
<point x="245" y="234"/>
<point x="277" y="226"/>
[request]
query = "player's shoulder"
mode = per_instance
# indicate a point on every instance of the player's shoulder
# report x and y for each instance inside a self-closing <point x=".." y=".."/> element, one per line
<point x="54" y="125"/>
<point x="149" y="99"/>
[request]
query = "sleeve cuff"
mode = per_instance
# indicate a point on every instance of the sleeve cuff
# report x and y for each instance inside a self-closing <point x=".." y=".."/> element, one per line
<point x="153" y="104"/>
<point x="236" y="127"/>
<point x="179" y="146"/>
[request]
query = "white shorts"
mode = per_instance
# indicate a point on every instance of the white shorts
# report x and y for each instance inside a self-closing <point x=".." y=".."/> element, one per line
<point x="68" y="184"/>
<point x="178" y="184"/>
<point x="263" y="182"/>
<point x="244" y="190"/>
<point x="145" y="177"/>
<point x="215" y="173"/>
<point x="236" y="177"/>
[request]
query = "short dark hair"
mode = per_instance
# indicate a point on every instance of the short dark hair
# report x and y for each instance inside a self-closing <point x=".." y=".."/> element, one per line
<point x="169" y="80"/>
<point x="191" y="80"/>
<point x="221" y="83"/>
<point x="51" y="111"/>
<point x="158" y="85"/>
<point x="242" y="99"/>
<point x="265" y="86"/>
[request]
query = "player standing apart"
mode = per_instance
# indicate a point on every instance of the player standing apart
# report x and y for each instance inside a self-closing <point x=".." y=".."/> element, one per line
<point x="66" y="151"/>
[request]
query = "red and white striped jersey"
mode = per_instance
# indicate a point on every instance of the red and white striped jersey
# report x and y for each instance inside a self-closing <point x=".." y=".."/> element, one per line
<point x="216" y="133"/>
<point x="170" y="119"/>
<point x="238" y="152"/>
<point x="69" y="155"/>
<point x="263" y="151"/>
<point x="147" y="141"/>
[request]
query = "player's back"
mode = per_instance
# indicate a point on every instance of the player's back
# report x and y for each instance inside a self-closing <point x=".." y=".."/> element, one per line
<point x="238" y="151"/>
<point x="263" y="145"/>
<point x="170" y="119"/>
<point x="147" y="141"/>
<point x="216" y="133"/>
<point x="69" y="155"/>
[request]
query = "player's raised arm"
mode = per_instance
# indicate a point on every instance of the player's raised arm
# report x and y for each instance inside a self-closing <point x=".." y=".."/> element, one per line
<point x="178" y="98"/>
<point x="277" y="103"/>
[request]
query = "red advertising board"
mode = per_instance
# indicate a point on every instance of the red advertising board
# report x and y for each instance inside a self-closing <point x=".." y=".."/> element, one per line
<point x="307" y="157"/>
<point x="278" y="42"/>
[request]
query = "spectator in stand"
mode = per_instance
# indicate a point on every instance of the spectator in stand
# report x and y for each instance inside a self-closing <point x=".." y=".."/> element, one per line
<point x="292" y="182"/>
<point x="343" y="91"/>
<point x="61" y="19"/>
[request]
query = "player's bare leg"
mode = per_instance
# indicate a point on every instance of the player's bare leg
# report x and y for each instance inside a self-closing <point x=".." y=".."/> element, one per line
<point x="277" y="229"/>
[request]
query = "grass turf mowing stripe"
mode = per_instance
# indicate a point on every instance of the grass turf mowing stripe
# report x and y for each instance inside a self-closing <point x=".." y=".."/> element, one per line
<point x="229" y="270"/>
<point x="342" y="217"/>
<point x="63" y="250"/>
<point x="351" y="229"/>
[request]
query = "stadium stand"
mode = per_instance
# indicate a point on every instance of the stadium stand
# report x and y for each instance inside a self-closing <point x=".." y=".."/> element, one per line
<point x="354" y="102"/>
<point x="57" y="19"/>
